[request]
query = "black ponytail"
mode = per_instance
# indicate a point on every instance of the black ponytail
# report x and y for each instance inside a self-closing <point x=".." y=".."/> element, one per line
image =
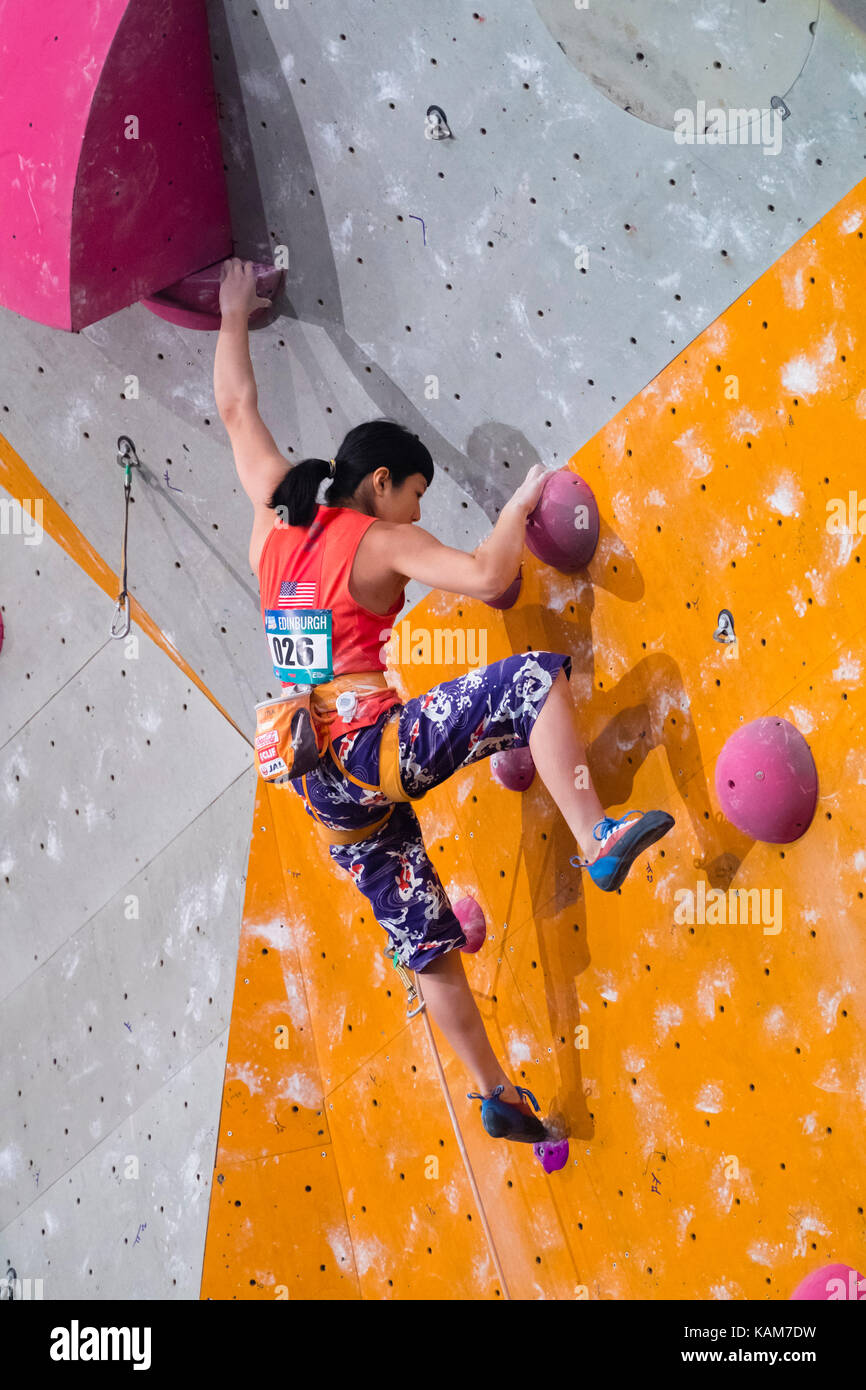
<point x="375" y="444"/>
<point x="295" y="496"/>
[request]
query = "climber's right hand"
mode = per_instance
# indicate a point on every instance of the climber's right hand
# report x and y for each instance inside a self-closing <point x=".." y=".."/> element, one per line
<point x="238" y="292"/>
<point x="527" y="496"/>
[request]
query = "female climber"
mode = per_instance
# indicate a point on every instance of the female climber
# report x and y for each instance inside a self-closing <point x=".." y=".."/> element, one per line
<point x="346" y="561"/>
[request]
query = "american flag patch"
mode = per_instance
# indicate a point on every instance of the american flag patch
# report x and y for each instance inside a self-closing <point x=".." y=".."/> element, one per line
<point x="296" y="594"/>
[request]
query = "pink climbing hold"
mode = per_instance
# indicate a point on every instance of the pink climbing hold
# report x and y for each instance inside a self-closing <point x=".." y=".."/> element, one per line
<point x="563" y="529"/>
<point x="833" y="1282"/>
<point x="552" y="1154"/>
<point x="194" y="301"/>
<point x="509" y="596"/>
<point x="766" y="781"/>
<point x="513" y="769"/>
<point x="471" y="918"/>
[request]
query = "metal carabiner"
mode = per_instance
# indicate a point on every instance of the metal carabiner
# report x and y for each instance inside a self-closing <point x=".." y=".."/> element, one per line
<point x="121" y="607"/>
<point x="126" y="455"/>
<point x="411" y="989"/>
<point x="725" y="627"/>
<point x="435" y="125"/>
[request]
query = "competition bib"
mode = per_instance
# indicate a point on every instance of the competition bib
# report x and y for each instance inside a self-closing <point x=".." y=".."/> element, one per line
<point x="300" y="643"/>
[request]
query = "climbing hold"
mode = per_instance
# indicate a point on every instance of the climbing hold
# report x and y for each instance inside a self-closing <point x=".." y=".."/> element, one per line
<point x="832" y="1282"/>
<point x="551" y="1155"/>
<point x="194" y="301"/>
<point x="509" y="596"/>
<point x="563" y="528"/>
<point x="766" y="781"/>
<point x="513" y="768"/>
<point x="435" y="125"/>
<point x="471" y="918"/>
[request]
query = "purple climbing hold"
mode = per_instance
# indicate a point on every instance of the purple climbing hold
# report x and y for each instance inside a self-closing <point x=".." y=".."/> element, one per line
<point x="563" y="529"/>
<point x="552" y="1154"/>
<point x="509" y="596"/>
<point x="513" y="768"/>
<point x="766" y="781"/>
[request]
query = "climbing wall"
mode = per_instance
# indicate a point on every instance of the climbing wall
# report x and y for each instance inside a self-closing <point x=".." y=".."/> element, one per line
<point x="716" y="1099"/>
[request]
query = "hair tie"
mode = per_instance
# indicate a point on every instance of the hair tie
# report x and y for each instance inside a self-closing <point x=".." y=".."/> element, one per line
<point x="333" y="468"/>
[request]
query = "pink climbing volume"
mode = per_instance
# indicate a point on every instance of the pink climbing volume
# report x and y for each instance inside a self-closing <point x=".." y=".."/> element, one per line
<point x="767" y="782"/>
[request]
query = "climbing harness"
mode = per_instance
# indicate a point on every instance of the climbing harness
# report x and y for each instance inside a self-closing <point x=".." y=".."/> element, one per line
<point x="293" y="733"/>
<point x="128" y="459"/>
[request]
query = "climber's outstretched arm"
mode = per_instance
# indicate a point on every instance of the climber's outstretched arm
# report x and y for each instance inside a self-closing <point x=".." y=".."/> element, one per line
<point x="260" y="465"/>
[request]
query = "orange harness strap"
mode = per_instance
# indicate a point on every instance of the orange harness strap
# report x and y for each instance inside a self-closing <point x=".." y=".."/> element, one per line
<point x="324" y="704"/>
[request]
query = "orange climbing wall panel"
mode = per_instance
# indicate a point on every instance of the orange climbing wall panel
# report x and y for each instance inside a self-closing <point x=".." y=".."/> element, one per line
<point x="717" y="1109"/>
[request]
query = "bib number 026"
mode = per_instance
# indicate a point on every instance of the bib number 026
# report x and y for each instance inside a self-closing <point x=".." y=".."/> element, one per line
<point x="300" y="643"/>
<point x="288" y="650"/>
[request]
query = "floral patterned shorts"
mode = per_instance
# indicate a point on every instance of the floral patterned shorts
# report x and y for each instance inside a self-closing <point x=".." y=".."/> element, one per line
<point x="456" y="723"/>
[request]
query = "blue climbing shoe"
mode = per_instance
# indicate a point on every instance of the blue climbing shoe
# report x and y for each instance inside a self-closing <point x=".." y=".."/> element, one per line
<point x="505" y="1120"/>
<point x="622" y="842"/>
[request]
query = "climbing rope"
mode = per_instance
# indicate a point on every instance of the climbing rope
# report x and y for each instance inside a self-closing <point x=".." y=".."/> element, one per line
<point x="413" y="992"/>
<point x="460" y="1144"/>
<point x="127" y="458"/>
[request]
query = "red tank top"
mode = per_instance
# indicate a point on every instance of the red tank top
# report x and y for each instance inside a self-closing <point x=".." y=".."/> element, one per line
<point x="304" y="571"/>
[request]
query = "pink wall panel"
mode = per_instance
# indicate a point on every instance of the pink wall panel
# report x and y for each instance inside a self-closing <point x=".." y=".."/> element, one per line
<point x="111" y="174"/>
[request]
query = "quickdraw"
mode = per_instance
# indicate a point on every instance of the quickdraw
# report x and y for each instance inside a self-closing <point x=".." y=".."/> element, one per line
<point x="128" y="459"/>
<point x="412" y="996"/>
